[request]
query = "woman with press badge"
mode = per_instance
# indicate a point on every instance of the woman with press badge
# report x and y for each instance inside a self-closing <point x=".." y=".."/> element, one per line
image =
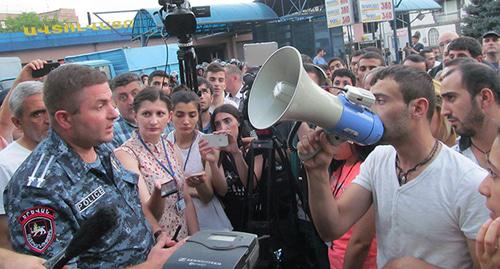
<point x="148" y="153"/>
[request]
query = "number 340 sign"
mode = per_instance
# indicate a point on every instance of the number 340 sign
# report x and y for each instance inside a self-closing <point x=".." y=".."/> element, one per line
<point x="375" y="10"/>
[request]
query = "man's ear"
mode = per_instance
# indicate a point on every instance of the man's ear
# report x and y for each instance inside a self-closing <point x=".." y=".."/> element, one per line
<point x="419" y="108"/>
<point x="486" y="98"/>
<point x="63" y="119"/>
<point x="16" y="122"/>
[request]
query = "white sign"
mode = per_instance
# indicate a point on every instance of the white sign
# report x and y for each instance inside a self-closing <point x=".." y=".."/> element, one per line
<point x="339" y="13"/>
<point x="375" y="10"/>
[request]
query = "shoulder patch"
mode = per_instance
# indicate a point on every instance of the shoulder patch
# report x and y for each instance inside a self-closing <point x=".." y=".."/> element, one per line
<point x="38" y="225"/>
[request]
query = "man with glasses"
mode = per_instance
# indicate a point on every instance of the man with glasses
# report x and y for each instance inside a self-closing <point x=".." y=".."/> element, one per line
<point x="443" y="41"/>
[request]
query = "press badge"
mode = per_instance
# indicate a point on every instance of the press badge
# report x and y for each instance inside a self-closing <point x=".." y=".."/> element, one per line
<point x="180" y="205"/>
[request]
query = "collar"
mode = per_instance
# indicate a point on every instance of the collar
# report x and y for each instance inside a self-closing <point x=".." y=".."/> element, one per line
<point x="70" y="161"/>
<point x="464" y="142"/>
<point x="122" y="119"/>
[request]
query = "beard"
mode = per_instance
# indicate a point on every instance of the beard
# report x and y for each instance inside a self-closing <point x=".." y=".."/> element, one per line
<point x="473" y="119"/>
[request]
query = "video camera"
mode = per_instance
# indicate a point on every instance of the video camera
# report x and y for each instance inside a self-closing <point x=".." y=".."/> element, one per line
<point x="179" y="20"/>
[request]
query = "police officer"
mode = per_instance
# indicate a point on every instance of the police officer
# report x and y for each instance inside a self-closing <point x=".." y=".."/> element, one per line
<point x="73" y="173"/>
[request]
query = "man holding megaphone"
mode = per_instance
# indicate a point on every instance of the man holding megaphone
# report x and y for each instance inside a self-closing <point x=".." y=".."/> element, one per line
<point x="427" y="206"/>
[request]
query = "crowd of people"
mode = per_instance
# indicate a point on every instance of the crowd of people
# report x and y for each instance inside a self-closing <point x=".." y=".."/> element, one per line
<point x="426" y="196"/>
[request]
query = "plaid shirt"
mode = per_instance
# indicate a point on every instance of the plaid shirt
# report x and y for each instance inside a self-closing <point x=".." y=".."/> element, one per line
<point x="123" y="130"/>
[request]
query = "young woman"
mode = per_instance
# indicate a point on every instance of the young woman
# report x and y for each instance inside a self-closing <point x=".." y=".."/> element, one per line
<point x="185" y="114"/>
<point x="357" y="247"/>
<point x="149" y="154"/>
<point x="226" y="167"/>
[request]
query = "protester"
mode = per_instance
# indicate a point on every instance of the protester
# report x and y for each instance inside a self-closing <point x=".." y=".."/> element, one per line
<point x="7" y="128"/>
<point x="468" y="91"/>
<point x="151" y="156"/>
<point x="30" y="116"/>
<point x="367" y="62"/>
<point x="160" y="80"/>
<point x="234" y="84"/>
<point x="334" y="64"/>
<point x="487" y="239"/>
<point x="216" y="75"/>
<point x="410" y="183"/>
<point x="125" y="87"/>
<point x="357" y="247"/>
<point x="443" y="41"/>
<point x="206" y="92"/>
<point x="491" y="48"/>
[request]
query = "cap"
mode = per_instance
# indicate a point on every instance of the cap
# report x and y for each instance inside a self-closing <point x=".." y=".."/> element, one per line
<point x="491" y="33"/>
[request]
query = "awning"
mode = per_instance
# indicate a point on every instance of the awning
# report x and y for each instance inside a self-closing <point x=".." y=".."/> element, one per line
<point x="415" y="5"/>
<point x="223" y="18"/>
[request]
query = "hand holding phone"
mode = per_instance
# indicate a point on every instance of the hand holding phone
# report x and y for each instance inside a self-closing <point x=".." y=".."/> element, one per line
<point x="195" y="179"/>
<point x="47" y="67"/>
<point x="216" y="140"/>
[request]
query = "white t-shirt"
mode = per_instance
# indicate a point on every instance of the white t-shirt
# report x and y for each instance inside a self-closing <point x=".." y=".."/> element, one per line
<point x="211" y="215"/>
<point x="11" y="158"/>
<point x="432" y="216"/>
<point x="226" y="101"/>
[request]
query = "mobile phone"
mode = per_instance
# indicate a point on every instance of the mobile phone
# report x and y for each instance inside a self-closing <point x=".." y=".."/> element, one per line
<point x="45" y="70"/>
<point x="216" y="140"/>
<point x="168" y="188"/>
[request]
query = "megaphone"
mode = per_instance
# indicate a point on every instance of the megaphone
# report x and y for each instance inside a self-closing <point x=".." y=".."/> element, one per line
<point x="282" y="91"/>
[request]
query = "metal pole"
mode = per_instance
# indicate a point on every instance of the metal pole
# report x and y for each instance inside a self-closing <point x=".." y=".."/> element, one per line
<point x="395" y="34"/>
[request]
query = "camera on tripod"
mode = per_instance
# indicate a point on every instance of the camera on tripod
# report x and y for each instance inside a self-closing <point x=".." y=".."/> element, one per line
<point x="179" y="20"/>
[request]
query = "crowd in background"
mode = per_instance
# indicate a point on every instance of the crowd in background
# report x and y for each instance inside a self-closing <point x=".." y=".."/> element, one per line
<point x="426" y="196"/>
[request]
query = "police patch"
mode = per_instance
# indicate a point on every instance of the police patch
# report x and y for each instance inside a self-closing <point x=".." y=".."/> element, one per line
<point x="90" y="199"/>
<point x="38" y="227"/>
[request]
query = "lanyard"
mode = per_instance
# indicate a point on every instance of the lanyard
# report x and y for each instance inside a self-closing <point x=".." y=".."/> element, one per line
<point x="170" y="171"/>
<point x="189" y="151"/>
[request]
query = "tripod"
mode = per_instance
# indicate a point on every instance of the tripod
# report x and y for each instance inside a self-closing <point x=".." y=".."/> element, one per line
<point x="271" y="206"/>
<point x="187" y="63"/>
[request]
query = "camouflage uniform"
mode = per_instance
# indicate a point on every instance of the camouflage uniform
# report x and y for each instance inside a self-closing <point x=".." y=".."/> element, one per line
<point x="54" y="191"/>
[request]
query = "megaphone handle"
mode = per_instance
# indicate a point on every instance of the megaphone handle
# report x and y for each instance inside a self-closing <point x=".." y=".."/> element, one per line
<point x="332" y="138"/>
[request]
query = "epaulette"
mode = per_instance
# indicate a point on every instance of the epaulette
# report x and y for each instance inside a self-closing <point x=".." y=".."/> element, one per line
<point x="37" y="182"/>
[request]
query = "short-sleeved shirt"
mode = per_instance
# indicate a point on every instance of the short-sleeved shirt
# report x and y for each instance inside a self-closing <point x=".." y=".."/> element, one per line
<point x="151" y="171"/>
<point x="432" y="216"/>
<point x="54" y="191"/>
<point x="11" y="158"/>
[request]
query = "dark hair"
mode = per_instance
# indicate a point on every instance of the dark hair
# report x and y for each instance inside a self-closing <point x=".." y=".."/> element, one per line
<point x="460" y="61"/>
<point x="311" y="68"/>
<point x="64" y="84"/>
<point x="230" y="109"/>
<point x="424" y="51"/>
<point x="358" y="52"/>
<point x="373" y="55"/>
<point x="477" y="76"/>
<point x="373" y="49"/>
<point x="344" y="72"/>
<point x="124" y="79"/>
<point x="306" y="59"/>
<point x="466" y="43"/>
<point x="319" y="50"/>
<point x="180" y="88"/>
<point x="158" y="73"/>
<point x="414" y="58"/>
<point x="202" y="80"/>
<point x="185" y="97"/>
<point x="214" y="67"/>
<point x="336" y="59"/>
<point x="413" y="84"/>
<point x="151" y="94"/>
